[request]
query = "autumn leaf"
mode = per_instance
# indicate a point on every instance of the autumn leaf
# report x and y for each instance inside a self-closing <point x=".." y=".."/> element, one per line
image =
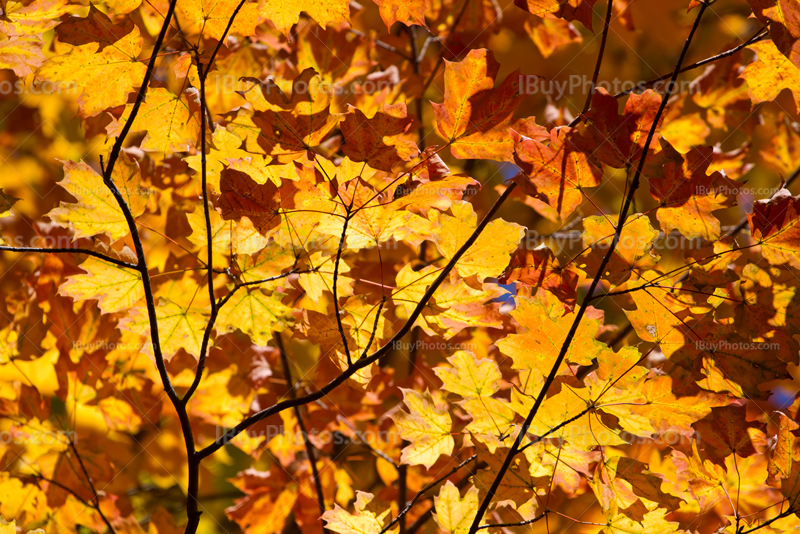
<point x="97" y="27"/>
<point x="559" y="172"/>
<point x="773" y="224"/>
<point x="243" y="197"/>
<point x="284" y="16"/>
<point x="688" y="195"/>
<point x="97" y="211"/>
<point x="453" y="513"/>
<point x="490" y="253"/>
<point x="408" y="13"/>
<point x="725" y="431"/>
<point x="181" y="327"/>
<point x="426" y="427"/>
<point x="180" y="114"/>
<point x="371" y="139"/>
<point x="368" y="519"/>
<point x="469" y="376"/>
<point x="212" y="17"/>
<point x="770" y="74"/>
<point x="475" y="116"/>
<point x="115" y="288"/>
<point x="106" y="77"/>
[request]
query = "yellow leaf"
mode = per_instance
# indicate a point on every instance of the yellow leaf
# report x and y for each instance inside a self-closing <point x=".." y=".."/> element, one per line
<point x="106" y="78"/>
<point x="172" y="122"/>
<point x="453" y="513"/>
<point x="212" y="16"/>
<point x="115" y="288"/>
<point x="284" y="14"/>
<point x="178" y="327"/>
<point x="254" y="313"/>
<point x="426" y="427"/>
<point x="469" y="376"/>
<point x="770" y="74"/>
<point x="368" y="519"/>
<point x="490" y="253"/>
<point x="97" y="211"/>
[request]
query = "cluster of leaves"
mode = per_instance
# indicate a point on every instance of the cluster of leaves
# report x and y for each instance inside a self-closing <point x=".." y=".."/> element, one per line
<point x="283" y="294"/>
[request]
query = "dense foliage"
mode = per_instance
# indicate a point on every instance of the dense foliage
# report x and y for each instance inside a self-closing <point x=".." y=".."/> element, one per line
<point x="327" y="266"/>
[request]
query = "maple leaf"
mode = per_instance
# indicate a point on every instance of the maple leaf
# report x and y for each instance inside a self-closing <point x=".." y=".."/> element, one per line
<point x="285" y="15"/>
<point x="180" y="327"/>
<point x="97" y="211"/>
<point x="725" y="431"/>
<point x="406" y="12"/>
<point x="426" y="427"/>
<point x="620" y="138"/>
<point x="770" y="74"/>
<point x="517" y="488"/>
<point x="490" y="253"/>
<point x="180" y="114"/>
<point x="773" y="224"/>
<point x="368" y="519"/>
<point x="475" y="116"/>
<point x="212" y="16"/>
<point x="556" y="173"/>
<point x="634" y="253"/>
<point x="469" y="376"/>
<point x="454" y="514"/>
<point x="243" y="197"/>
<point x="254" y="313"/>
<point x="115" y="288"/>
<point x="371" y="139"/>
<point x="784" y="25"/>
<point x="21" y="53"/>
<point x="624" y="481"/>
<point x="539" y="269"/>
<point x="552" y="33"/>
<point x="688" y="195"/>
<point x="96" y="27"/>
<point x="541" y="332"/>
<point x="106" y="77"/>
<point x="781" y="457"/>
<point x="581" y="10"/>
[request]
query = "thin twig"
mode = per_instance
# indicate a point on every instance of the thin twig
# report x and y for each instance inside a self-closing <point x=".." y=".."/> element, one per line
<point x="761" y="34"/>
<point x="88" y="252"/>
<point x="588" y="104"/>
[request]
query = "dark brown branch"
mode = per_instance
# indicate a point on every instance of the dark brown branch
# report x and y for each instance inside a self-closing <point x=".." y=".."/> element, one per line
<point x="337" y="311"/>
<point x="364" y="362"/>
<point x="88" y="252"/>
<point x="192" y="510"/>
<point x="588" y="104"/>
<point x="287" y="373"/>
<point x="585" y="304"/>
<point x="783" y="514"/>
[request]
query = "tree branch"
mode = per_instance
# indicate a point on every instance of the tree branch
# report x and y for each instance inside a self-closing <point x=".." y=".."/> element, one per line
<point x="585" y="304"/>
